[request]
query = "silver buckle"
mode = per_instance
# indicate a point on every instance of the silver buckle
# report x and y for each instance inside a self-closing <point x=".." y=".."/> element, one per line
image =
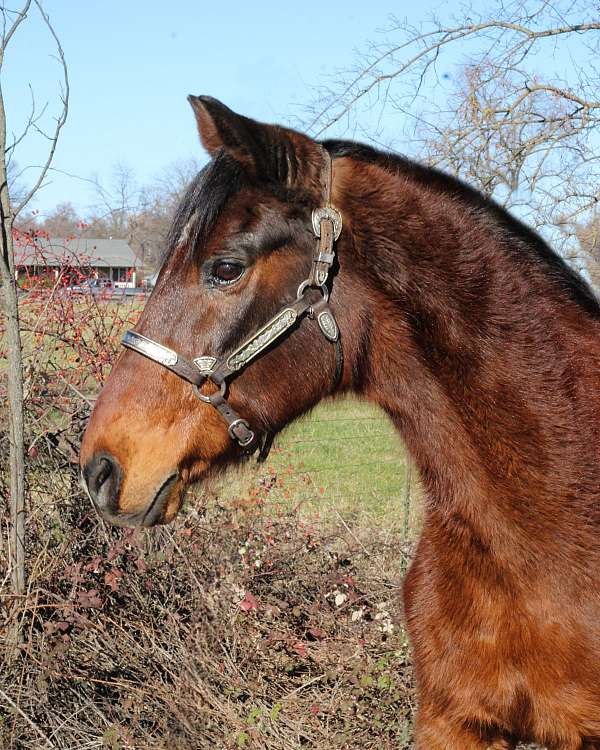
<point x="233" y="436"/>
<point x="327" y="212"/>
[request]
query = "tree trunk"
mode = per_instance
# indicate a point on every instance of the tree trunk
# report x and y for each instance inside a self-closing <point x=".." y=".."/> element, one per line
<point x="14" y="377"/>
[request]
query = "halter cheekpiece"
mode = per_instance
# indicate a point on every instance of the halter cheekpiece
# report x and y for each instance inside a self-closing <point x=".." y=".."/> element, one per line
<point x="327" y="226"/>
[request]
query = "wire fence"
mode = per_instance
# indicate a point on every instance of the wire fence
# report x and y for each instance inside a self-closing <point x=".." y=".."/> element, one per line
<point x="344" y="458"/>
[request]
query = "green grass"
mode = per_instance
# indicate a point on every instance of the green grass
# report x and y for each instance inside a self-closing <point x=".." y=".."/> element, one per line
<point x="344" y="458"/>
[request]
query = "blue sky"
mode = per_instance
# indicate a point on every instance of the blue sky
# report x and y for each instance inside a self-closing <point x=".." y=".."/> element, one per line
<point x="132" y="64"/>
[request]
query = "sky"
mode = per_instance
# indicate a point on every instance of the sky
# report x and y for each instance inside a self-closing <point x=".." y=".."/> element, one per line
<point x="132" y="63"/>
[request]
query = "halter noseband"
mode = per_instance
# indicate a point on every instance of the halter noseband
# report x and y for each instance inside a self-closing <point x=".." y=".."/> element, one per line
<point x="327" y="226"/>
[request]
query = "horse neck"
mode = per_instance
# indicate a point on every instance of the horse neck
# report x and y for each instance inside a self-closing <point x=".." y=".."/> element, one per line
<point x="486" y="363"/>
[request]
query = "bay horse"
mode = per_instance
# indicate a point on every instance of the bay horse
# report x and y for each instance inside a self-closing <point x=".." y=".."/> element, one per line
<point x="481" y="344"/>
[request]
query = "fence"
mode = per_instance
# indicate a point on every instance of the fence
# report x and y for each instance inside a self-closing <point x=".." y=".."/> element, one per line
<point x="346" y="459"/>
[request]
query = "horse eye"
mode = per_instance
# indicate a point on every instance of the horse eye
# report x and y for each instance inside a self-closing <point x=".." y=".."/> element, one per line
<point x="226" y="272"/>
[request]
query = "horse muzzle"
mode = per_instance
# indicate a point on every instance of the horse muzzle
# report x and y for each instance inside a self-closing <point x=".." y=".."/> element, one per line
<point x="102" y="479"/>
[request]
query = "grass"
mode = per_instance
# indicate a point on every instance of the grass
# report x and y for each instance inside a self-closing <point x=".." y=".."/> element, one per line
<point x="344" y="459"/>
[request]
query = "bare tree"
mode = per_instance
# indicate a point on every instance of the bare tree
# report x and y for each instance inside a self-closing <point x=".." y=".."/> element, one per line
<point x="170" y="185"/>
<point x="9" y="210"/>
<point x="588" y="236"/>
<point x="519" y="121"/>
<point x="63" y="221"/>
<point x="141" y="215"/>
<point x="158" y="201"/>
<point x="116" y="201"/>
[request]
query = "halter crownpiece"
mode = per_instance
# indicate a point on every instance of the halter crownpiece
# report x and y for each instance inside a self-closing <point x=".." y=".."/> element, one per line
<point x="327" y="226"/>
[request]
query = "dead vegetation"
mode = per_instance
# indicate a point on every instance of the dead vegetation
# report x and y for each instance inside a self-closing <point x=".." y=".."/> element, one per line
<point x="238" y="627"/>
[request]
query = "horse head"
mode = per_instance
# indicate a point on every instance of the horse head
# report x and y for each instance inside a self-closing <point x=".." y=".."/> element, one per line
<point x="231" y="283"/>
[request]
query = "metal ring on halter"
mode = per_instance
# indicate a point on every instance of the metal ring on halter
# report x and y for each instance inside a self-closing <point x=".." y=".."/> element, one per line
<point x="306" y="284"/>
<point x="232" y="435"/>
<point x="207" y="399"/>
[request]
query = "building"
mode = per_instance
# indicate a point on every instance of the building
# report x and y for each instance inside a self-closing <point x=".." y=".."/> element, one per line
<point x="76" y="257"/>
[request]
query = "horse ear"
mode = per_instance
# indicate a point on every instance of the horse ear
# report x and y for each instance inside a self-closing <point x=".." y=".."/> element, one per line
<point x="220" y="127"/>
<point x="268" y="151"/>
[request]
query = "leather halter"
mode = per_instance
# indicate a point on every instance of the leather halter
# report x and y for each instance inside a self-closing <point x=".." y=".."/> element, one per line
<point x="327" y="225"/>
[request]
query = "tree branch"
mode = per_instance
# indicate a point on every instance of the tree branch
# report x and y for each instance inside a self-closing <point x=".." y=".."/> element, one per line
<point x="62" y="118"/>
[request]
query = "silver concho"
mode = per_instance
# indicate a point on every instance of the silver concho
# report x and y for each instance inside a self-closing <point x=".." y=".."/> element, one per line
<point x="205" y="364"/>
<point x="328" y="325"/>
<point x="327" y="212"/>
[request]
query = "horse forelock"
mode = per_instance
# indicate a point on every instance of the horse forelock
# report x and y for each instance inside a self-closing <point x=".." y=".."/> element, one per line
<point x="204" y="200"/>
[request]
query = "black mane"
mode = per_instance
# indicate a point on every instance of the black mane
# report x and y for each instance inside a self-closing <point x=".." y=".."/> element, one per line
<point x="528" y="240"/>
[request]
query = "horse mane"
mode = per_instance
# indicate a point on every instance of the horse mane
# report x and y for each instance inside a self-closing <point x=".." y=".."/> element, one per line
<point x="223" y="176"/>
<point x="526" y="240"/>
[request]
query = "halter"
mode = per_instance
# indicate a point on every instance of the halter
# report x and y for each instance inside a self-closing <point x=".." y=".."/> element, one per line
<point x="327" y="226"/>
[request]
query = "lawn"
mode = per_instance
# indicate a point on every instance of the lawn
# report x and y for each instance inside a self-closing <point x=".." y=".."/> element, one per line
<point x="343" y="459"/>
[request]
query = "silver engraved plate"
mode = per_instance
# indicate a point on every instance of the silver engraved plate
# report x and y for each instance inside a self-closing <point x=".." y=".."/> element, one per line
<point x="262" y="338"/>
<point x="327" y="212"/>
<point x="328" y="325"/>
<point x="150" y="349"/>
<point x="205" y="364"/>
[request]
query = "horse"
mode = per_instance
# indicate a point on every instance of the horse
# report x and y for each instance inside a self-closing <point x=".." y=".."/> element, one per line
<point x="296" y="270"/>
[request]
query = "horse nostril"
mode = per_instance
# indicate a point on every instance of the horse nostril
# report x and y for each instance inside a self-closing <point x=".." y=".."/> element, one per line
<point x="102" y="477"/>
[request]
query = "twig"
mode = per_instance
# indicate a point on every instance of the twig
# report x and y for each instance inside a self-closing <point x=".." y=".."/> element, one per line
<point x="76" y="391"/>
<point x="304" y="685"/>
<point x="352" y="534"/>
<point x="20" y="711"/>
<point x="62" y="118"/>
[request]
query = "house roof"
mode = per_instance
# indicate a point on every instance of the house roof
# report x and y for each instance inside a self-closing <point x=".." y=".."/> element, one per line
<point x="97" y="253"/>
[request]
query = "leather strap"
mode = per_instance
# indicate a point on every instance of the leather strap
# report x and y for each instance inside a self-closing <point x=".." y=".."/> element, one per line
<point x="327" y="225"/>
<point x="239" y="430"/>
<point x="164" y="356"/>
